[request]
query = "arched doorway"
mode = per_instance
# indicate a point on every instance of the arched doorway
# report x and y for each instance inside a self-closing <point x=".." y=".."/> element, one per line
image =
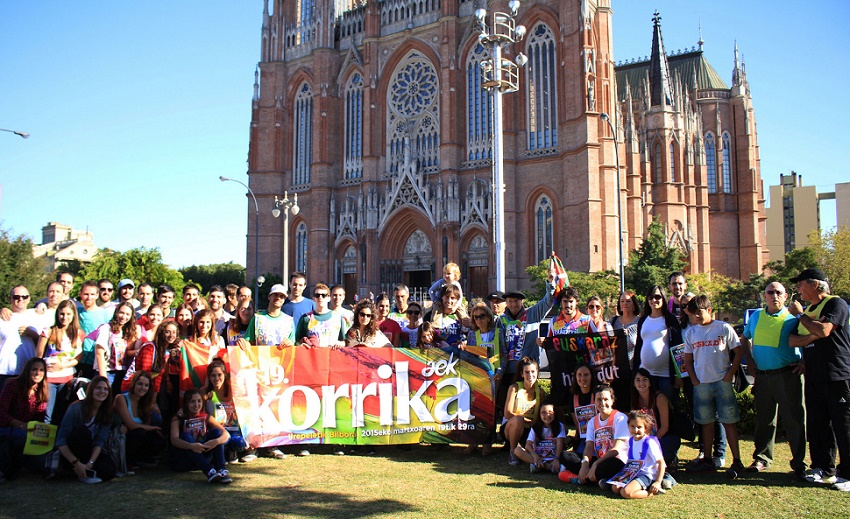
<point x="418" y="264"/>
<point x="476" y="260"/>
<point x="349" y="273"/>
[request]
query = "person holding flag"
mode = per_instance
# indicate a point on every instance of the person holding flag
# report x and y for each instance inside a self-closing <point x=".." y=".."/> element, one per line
<point x="520" y="326"/>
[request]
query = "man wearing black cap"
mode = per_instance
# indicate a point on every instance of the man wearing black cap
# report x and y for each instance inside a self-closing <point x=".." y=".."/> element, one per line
<point x="521" y="326"/>
<point x="823" y="335"/>
<point x="497" y="302"/>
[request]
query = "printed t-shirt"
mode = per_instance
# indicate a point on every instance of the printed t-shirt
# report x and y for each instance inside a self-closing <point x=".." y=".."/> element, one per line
<point x="265" y="330"/>
<point x="56" y="353"/>
<point x="321" y="329"/>
<point x="605" y="433"/>
<point x="710" y="345"/>
<point x="545" y="447"/>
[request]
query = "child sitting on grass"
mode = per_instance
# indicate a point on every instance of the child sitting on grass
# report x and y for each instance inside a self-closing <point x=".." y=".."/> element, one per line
<point x="645" y="473"/>
<point x="545" y="442"/>
<point x="707" y="347"/>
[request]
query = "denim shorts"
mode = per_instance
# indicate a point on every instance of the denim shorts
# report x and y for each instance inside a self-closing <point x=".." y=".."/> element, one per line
<point x="644" y="481"/>
<point x="715" y="401"/>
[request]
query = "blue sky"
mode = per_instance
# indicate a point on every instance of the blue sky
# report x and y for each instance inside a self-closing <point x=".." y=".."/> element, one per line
<point x="135" y="109"/>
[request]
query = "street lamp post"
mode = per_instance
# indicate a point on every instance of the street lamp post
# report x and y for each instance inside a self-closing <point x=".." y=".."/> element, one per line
<point x="23" y="135"/>
<point x="619" y="202"/>
<point x="286" y="205"/>
<point x="256" y="235"/>
<point x="500" y="76"/>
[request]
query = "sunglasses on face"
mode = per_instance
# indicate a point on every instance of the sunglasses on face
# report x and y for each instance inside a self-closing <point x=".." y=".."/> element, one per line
<point x="774" y="292"/>
<point x="656" y="297"/>
<point x="321" y="295"/>
<point x="481" y="317"/>
<point x="17" y="297"/>
<point x="597" y="307"/>
<point x="107" y="290"/>
<point x="362" y="314"/>
<point x="414" y="312"/>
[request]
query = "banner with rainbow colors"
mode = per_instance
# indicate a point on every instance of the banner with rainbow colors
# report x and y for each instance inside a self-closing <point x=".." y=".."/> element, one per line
<point x="360" y="396"/>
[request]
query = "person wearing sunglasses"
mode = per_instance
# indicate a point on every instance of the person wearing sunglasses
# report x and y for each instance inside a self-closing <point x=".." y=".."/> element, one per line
<point x="595" y="311"/>
<point x="484" y="346"/>
<point x="18" y="335"/>
<point x="321" y="328"/>
<point x="410" y="329"/>
<point x="106" y="290"/>
<point x="364" y="332"/>
<point x="657" y="330"/>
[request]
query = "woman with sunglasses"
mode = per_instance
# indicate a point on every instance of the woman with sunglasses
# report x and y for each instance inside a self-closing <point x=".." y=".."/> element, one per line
<point x="364" y="332"/>
<point x="410" y="328"/>
<point x="483" y="347"/>
<point x="626" y="318"/>
<point x="595" y="312"/>
<point x="657" y="330"/>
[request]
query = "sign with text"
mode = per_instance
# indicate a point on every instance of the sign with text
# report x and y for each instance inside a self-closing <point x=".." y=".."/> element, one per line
<point x="606" y="353"/>
<point x="359" y="396"/>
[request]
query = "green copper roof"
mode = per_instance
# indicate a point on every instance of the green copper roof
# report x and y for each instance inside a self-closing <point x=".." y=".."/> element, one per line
<point x="681" y="65"/>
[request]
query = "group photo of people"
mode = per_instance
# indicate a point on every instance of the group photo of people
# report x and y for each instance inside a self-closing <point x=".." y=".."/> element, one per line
<point x="101" y="365"/>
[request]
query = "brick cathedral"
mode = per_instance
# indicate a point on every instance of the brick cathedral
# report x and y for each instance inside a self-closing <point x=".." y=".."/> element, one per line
<point x="373" y="112"/>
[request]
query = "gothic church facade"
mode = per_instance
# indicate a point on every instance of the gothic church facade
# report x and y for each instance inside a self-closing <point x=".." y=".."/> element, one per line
<point x="375" y="115"/>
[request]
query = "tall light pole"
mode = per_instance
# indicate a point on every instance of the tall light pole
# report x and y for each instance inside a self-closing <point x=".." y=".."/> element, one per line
<point x="23" y="135"/>
<point x="286" y="205"/>
<point x="256" y="235"/>
<point x="500" y="76"/>
<point x="619" y="202"/>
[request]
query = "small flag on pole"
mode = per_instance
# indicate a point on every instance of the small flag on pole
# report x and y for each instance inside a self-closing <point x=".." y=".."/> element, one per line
<point x="561" y="280"/>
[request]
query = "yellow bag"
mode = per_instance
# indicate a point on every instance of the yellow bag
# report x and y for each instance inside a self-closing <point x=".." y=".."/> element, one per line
<point x="40" y="438"/>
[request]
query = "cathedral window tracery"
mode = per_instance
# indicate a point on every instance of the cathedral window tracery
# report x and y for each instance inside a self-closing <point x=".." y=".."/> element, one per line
<point x="711" y="162"/>
<point x="541" y="89"/>
<point x="543" y="228"/>
<point x="479" y="107"/>
<point x="412" y="117"/>
<point x="727" y="163"/>
<point x="302" y="146"/>
<point x="353" y="166"/>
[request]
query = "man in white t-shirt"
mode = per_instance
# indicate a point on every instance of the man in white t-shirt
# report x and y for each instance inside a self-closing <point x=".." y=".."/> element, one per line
<point x="17" y="335"/>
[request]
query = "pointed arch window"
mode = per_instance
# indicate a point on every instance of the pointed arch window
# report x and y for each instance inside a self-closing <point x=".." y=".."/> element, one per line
<point x="541" y="98"/>
<point x="304" y="13"/>
<point x="657" y="160"/>
<point x="543" y="228"/>
<point x="727" y="163"/>
<point x="302" y="145"/>
<point x="353" y="165"/>
<point x="672" y="162"/>
<point x="301" y="247"/>
<point x="711" y="162"/>
<point x="479" y="108"/>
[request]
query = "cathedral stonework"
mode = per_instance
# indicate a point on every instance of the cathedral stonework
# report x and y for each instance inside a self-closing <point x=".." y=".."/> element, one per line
<point x="374" y="113"/>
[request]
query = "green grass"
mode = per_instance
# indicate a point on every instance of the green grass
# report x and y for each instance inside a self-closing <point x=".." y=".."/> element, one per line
<point x="424" y="482"/>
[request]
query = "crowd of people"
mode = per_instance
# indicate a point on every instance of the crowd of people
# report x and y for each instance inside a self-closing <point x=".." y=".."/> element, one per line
<point x="105" y="369"/>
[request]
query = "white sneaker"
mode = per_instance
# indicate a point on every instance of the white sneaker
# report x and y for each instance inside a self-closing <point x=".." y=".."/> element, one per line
<point x="818" y="476"/>
<point x="91" y="481"/>
<point x="718" y="462"/>
<point x="842" y="485"/>
<point x="248" y="458"/>
<point x="304" y="452"/>
<point x="533" y="468"/>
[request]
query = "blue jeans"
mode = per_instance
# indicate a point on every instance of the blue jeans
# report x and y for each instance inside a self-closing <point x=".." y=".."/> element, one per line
<point x="52" y="392"/>
<point x="184" y="460"/>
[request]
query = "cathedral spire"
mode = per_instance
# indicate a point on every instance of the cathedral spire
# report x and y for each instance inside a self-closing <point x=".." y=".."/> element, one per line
<point x="736" y="73"/>
<point x="659" y="69"/>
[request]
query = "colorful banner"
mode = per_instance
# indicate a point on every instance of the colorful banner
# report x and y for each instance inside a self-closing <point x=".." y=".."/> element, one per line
<point x="194" y="359"/>
<point x="359" y="396"/>
<point x="606" y="353"/>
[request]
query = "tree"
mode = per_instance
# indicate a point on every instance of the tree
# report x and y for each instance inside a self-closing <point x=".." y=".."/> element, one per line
<point x="652" y="262"/>
<point x="831" y="251"/>
<point x="220" y="274"/>
<point x="140" y="265"/>
<point x="19" y="267"/>
<point x="795" y="262"/>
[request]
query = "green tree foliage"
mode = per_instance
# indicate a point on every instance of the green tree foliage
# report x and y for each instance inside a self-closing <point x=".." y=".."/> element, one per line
<point x="832" y="253"/>
<point x="140" y="265"/>
<point x="652" y="262"/>
<point x="19" y="267"/>
<point x="795" y="262"/>
<point x="216" y="274"/>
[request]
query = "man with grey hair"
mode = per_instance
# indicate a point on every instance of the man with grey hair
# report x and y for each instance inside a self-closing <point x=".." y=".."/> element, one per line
<point x="778" y="371"/>
<point x="823" y="335"/>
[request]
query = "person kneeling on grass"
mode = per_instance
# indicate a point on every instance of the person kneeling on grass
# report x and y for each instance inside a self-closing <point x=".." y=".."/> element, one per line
<point x="84" y="431"/>
<point x="604" y="451"/>
<point x="645" y="474"/>
<point x="197" y="440"/>
<point x="545" y="442"/>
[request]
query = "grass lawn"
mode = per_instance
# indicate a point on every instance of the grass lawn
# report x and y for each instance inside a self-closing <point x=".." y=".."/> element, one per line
<point x="424" y="482"/>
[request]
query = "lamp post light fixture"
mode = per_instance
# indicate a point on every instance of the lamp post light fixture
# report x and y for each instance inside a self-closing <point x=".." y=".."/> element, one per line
<point x="286" y="206"/>
<point x="619" y="201"/>
<point x="24" y="135"/>
<point x="501" y="75"/>
<point x="257" y="281"/>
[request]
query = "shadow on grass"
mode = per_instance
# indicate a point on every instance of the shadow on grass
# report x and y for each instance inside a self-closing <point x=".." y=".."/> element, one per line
<point x="257" y="491"/>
